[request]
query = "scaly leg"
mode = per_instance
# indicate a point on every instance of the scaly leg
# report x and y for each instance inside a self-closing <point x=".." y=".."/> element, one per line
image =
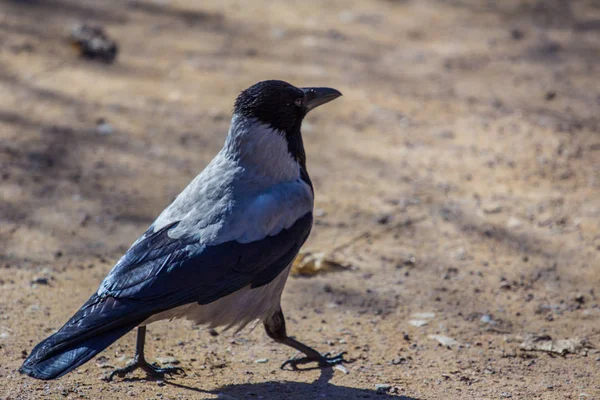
<point x="275" y="327"/>
<point x="139" y="361"/>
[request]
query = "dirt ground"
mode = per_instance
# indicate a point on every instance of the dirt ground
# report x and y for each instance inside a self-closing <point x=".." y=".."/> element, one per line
<point x="457" y="180"/>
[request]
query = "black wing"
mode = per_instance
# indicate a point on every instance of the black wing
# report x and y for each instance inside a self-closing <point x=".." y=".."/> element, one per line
<point x="164" y="273"/>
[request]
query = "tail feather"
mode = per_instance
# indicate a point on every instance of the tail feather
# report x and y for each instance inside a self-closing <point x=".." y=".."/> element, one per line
<point x="98" y="324"/>
<point x="70" y="358"/>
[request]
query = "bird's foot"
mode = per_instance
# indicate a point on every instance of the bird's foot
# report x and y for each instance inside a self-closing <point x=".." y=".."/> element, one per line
<point x="152" y="370"/>
<point x="324" y="361"/>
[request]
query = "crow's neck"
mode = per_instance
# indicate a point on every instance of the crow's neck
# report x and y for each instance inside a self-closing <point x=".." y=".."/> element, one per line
<point x="296" y="150"/>
<point x="264" y="152"/>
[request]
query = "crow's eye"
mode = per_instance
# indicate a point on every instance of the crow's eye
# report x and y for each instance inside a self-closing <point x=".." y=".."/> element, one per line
<point x="299" y="101"/>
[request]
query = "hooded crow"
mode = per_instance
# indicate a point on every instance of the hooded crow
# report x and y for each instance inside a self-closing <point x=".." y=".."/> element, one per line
<point x="220" y="254"/>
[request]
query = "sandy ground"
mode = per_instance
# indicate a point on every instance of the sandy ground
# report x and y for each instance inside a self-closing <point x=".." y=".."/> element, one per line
<point x="458" y="178"/>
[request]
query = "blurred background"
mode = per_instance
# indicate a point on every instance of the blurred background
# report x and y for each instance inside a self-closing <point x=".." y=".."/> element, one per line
<point x="457" y="184"/>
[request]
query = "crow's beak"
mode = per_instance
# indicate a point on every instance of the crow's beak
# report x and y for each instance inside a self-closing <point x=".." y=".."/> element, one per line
<point x="316" y="96"/>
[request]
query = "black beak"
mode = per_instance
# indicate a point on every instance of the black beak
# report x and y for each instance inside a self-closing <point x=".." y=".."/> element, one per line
<point x="316" y="96"/>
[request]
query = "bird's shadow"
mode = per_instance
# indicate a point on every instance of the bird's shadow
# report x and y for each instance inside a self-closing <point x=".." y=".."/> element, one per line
<point x="289" y="390"/>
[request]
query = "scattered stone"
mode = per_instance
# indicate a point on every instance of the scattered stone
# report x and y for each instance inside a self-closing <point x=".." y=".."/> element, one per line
<point x="487" y="319"/>
<point x="384" y="219"/>
<point x="167" y="360"/>
<point x="418" y="322"/>
<point x="42" y="280"/>
<point x="517" y="34"/>
<point x="91" y="42"/>
<point x="447" y="134"/>
<point x="492" y="208"/>
<point x="399" y="360"/>
<point x="103" y="362"/>
<point x="444" y="340"/>
<point x="262" y="361"/>
<point x="561" y="346"/>
<point x="277" y="33"/>
<point x="551" y="95"/>
<point x="513" y="223"/>
<point x="424" y="315"/>
<point x="342" y="369"/>
<point x="459" y="254"/>
<point x="421" y="319"/>
<point x="33" y="308"/>
<point x="381" y="388"/>
<point x="319" y="212"/>
<point x="410" y="261"/>
<point x="103" y="127"/>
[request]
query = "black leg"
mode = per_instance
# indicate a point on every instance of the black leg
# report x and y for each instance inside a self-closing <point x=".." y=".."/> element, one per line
<point x="139" y="361"/>
<point x="275" y="327"/>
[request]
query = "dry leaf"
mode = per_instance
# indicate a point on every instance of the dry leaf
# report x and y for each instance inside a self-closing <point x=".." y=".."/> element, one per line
<point x="309" y="264"/>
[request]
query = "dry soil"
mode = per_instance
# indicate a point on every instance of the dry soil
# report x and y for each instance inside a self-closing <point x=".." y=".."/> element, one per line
<point x="457" y="179"/>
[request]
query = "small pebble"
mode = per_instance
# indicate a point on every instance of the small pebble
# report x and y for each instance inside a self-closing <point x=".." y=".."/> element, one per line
<point x="384" y="219"/>
<point x="444" y="340"/>
<point x="262" y="361"/>
<point x="277" y="33"/>
<point x="319" y="212"/>
<point x="550" y="95"/>
<point x="34" y="308"/>
<point x="40" y="281"/>
<point x="492" y="208"/>
<point x="167" y="360"/>
<point x="342" y="369"/>
<point x="513" y="223"/>
<point x="103" y="127"/>
<point x="486" y="319"/>
<point x="382" y="388"/>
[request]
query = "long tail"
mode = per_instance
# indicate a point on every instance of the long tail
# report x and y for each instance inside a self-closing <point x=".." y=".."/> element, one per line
<point x="96" y="325"/>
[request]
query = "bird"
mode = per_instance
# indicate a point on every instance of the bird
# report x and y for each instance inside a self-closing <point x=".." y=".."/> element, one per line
<point x="219" y="254"/>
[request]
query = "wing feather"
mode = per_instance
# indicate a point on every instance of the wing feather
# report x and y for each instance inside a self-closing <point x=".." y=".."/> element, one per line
<point x="162" y="272"/>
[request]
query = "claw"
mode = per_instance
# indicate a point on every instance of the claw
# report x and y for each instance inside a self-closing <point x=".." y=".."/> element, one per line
<point x="152" y="370"/>
<point x="325" y="361"/>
